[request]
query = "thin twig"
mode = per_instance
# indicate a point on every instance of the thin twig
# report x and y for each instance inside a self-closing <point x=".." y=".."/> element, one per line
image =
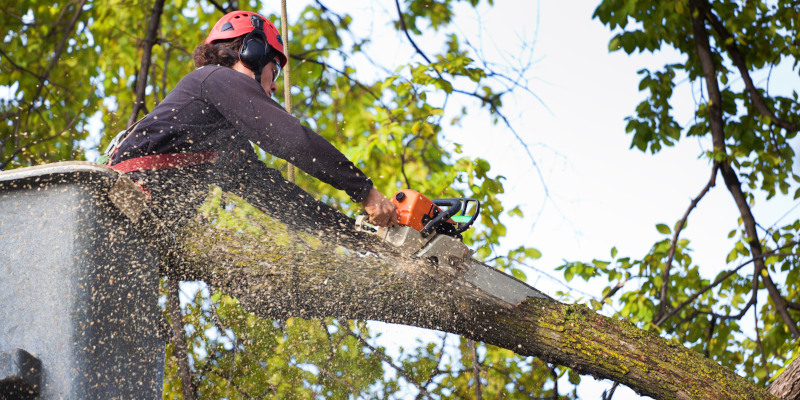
<point x="521" y="389"/>
<point x="342" y="73"/>
<point x="699" y="293"/>
<point x="710" y="335"/>
<point x="665" y="277"/>
<point x="608" y="394"/>
<point x="340" y="381"/>
<point x="224" y="10"/>
<point x="408" y="35"/>
<point x="492" y="102"/>
<point x="58" y="50"/>
<point x="614" y="290"/>
<point x="20" y="149"/>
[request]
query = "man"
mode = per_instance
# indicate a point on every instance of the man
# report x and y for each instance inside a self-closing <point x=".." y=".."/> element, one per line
<point x="202" y="133"/>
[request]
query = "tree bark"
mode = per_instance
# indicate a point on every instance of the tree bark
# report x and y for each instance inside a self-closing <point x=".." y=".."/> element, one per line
<point x="787" y="385"/>
<point x="279" y="273"/>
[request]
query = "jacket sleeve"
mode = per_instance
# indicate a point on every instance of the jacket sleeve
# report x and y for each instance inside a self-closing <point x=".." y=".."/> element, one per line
<point x="242" y="101"/>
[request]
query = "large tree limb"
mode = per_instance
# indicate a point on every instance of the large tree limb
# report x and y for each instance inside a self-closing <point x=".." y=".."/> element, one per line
<point x="277" y="274"/>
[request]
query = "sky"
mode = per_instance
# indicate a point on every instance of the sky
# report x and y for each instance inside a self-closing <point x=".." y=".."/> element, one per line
<point x="599" y="193"/>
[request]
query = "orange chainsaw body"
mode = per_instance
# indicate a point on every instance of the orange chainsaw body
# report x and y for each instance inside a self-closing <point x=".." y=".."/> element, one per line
<point x="414" y="209"/>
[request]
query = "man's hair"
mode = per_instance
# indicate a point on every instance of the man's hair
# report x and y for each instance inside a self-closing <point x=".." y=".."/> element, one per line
<point x="221" y="52"/>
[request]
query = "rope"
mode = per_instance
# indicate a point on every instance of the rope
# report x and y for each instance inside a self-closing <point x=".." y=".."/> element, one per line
<point x="287" y="81"/>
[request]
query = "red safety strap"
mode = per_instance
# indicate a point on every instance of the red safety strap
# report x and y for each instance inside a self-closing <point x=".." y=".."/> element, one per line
<point x="165" y="161"/>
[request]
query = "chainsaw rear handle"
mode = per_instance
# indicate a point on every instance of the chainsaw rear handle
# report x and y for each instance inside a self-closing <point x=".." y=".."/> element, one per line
<point x="464" y="202"/>
<point x="454" y="206"/>
<point x="463" y="226"/>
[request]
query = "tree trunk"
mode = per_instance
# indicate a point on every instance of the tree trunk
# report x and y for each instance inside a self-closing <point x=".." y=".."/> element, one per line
<point x="787" y="386"/>
<point x="279" y="273"/>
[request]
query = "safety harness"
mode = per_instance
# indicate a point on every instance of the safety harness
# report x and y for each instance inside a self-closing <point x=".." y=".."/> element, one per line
<point x="165" y="161"/>
<point x="151" y="162"/>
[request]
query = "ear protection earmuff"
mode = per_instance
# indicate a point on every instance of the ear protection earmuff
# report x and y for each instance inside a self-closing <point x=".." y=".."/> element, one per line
<point x="255" y="49"/>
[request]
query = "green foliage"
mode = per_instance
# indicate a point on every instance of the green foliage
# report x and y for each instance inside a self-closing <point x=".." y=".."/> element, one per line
<point x="705" y="306"/>
<point x="237" y="355"/>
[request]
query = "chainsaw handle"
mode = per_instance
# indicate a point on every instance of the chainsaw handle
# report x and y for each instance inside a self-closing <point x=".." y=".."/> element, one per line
<point x="454" y="206"/>
<point x="463" y="226"/>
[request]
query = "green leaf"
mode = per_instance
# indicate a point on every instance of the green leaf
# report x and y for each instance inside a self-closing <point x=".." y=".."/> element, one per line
<point x="663" y="228"/>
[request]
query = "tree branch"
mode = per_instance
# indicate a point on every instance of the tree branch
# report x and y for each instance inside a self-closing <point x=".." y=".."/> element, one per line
<point x="665" y="277"/>
<point x="179" y="338"/>
<point x="267" y="274"/>
<point x="150" y="39"/>
<point x="614" y="290"/>
<point x="342" y="73"/>
<point x="231" y="6"/>
<point x="712" y="325"/>
<point x="339" y="380"/>
<point x="727" y="40"/>
<point x="692" y="298"/>
<point x="57" y="52"/>
<point x="408" y="35"/>
<point x="5" y="56"/>
<point x="476" y="370"/>
<point x="608" y="394"/>
<point x="759" y="345"/>
<point x="730" y="177"/>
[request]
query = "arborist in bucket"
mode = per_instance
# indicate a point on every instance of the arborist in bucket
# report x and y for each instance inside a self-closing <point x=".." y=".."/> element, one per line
<point x="202" y="133"/>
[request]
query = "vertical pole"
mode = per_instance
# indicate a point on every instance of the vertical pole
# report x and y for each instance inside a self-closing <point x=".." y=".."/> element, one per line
<point x="287" y="81"/>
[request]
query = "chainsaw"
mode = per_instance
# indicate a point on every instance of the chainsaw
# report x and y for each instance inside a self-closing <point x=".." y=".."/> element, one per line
<point x="428" y="229"/>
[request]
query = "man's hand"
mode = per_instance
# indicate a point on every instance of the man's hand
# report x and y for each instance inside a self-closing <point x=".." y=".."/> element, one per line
<point x="381" y="210"/>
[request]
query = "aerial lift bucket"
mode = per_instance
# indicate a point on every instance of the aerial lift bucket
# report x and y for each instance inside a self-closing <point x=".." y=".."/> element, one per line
<point x="79" y="313"/>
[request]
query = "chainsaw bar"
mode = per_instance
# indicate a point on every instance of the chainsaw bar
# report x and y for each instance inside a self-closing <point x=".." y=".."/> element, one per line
<point x="438" y="248"/>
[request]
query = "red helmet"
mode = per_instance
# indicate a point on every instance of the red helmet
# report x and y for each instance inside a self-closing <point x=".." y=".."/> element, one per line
<point x="238" y="23"/>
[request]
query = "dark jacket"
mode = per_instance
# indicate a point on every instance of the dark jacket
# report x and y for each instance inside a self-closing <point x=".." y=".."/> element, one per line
<point x="219" y="109"/>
